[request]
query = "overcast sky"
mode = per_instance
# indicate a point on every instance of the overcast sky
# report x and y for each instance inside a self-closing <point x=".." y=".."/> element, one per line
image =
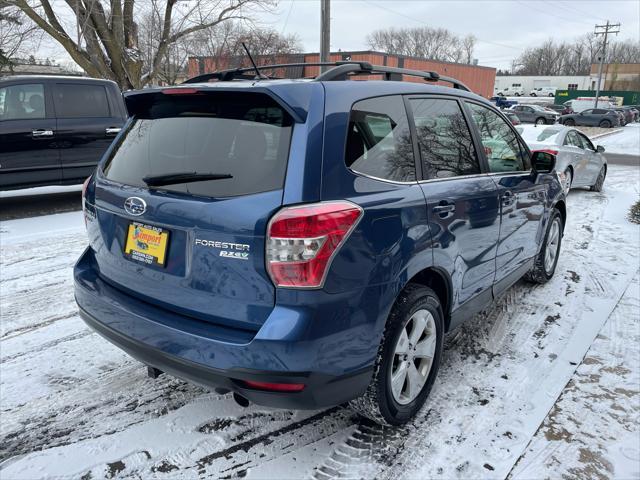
<point x="503" y="28"/>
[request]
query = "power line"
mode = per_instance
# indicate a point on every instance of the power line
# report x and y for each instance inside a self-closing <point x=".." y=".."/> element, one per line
<point x="554" y="15"/>
<point x="425" y="23"/>
<point x="573" y="10"/>
<point x="286" y="20"/>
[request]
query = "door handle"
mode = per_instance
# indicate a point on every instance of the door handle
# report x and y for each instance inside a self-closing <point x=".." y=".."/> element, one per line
<point x="444" y="210"/>
<point x="42" y="133"/>
<point x="112" y="130"/>
<point x="508" y="198"/>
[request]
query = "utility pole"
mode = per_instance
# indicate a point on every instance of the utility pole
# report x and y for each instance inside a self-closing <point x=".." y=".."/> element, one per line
<point x="325" y="31"/>
<point x="604" y="30"/>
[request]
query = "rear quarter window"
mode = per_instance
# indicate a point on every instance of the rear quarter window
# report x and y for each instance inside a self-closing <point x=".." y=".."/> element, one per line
<point x="379" y="140"/>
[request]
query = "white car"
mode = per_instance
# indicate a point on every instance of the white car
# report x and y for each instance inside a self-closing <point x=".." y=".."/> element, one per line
<point x="578" y="162"/>
<point x="543" y="92"/>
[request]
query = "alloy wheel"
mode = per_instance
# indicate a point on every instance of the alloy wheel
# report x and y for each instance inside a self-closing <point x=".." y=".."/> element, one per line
<point x="568" y="180"/>
<point x="413" y="357"/>
<point x="553" y="245"/>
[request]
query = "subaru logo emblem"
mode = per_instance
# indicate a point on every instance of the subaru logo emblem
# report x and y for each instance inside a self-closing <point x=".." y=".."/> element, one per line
<point x="135" y="206"/>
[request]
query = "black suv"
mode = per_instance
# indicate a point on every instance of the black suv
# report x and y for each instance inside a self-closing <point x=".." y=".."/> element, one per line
<point x="54" y="130"/>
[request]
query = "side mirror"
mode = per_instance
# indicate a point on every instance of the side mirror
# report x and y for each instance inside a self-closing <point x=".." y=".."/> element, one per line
<point x="543" y="161"/>
<point x="600" y="149"/>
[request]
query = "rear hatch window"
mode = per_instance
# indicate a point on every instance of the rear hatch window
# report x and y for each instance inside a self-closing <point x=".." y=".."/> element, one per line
<point x="243" y="138"/>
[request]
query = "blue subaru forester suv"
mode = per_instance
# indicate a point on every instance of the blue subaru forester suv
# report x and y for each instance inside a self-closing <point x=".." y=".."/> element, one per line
<point x="305" y="243"/>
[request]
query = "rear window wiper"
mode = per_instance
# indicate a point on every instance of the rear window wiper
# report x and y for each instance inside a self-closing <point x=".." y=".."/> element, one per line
<point x="183" y="177"/>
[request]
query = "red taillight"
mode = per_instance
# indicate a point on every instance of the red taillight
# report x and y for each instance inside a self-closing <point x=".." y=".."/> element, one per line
<point x="548" y="150"/>
<point x="301" y="241"/>
<point x="275" y="387"/>
<point x="181" y="91"/>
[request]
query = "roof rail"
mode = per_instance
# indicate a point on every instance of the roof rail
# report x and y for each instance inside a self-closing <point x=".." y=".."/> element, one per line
<point x="391" y="73"/>
<point x="241" y="73"/>
<point x="340" y="71"/>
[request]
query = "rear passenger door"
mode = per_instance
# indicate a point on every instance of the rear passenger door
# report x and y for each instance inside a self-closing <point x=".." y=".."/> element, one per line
<point x="592" y="160"/>
<point x="462" y="203"/>
<point x="574" y="145"/>
<point x="522" y="199"/>
<point x="28" y="152"/>
<point x="87" y="123"/>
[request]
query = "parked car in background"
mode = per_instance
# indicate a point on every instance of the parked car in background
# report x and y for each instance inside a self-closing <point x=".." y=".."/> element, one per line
<point x="54" y="130"/>
<point x="300" y="252"/>
<point x="627" y="114"/>
<point x="593" y="117"/>
<point x="561" y="109"/>
<point x="513" y="118"/>
<point x="578" y="162"/>
<point x="512" y="91"/>
<point x="502" y="102"/>
<point x="621" y="116"/>
<point x="581" y="103"/>
<point x="534" y="114"/>
<point x="543" y="92"/>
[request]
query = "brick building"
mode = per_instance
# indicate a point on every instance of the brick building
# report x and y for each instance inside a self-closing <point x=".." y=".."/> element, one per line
<point x="479" y="79"/>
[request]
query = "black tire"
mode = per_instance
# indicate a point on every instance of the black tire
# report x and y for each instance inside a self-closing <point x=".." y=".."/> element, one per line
<point x="378" y="403"/>
<point x="569" y="122"/>
<point x="551" y="95"/>
<point x="597" y="187"/>
<point x="540" y="121"/>
<point x="533" y="95"/>
<point x="538" y="273"/>
<point x="605" y="124"/>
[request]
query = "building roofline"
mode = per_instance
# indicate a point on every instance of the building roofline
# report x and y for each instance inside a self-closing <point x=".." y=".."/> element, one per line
<point x="364" y="52"/>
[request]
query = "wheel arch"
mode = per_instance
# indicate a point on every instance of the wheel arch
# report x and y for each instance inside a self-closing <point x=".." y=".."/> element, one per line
<point x="562" y="208"/>
<point x="440" y="282"/>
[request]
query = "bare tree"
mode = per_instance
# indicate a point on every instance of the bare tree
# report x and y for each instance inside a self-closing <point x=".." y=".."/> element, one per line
<point x="575" y="58"/>
<point x="110" y="30"/>
<point x="16" y="33"/>
<point x="434" y="43"/>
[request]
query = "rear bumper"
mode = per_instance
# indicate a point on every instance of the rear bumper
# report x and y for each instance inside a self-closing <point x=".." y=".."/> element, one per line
<point x="334" y="364"/>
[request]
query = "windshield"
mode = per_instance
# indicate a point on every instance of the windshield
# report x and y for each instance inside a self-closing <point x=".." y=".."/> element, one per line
<point x="532" y="134"/>
<point x="244" y="136"/>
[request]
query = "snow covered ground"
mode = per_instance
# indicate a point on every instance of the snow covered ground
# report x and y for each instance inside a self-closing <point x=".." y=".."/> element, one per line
<point x="626" y="141"/>
<point x="516" y="396"/>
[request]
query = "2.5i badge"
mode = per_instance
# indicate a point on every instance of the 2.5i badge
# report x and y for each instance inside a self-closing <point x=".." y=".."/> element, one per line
<point x="146" y="244"/>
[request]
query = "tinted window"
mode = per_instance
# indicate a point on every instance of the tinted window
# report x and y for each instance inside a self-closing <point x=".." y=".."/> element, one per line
<point x="244" y="135"/>
<point x="501" y="145"/>
<point x="19" y="102"/>
<point x="78" y="101"/>
<point x="378" y="140"/>
<point x="444" y="139"/>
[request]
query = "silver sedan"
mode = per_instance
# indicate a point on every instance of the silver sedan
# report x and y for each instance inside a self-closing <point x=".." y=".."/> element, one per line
<point x="578" y="162"/>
